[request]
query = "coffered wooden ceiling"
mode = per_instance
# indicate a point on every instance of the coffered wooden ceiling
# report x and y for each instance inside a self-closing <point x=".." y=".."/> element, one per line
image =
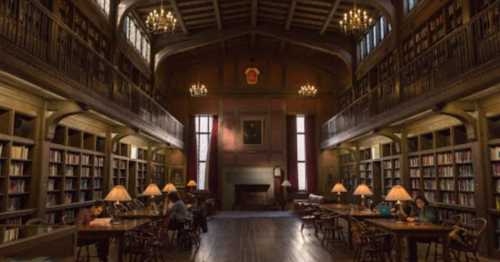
<point x="307" y="23"/>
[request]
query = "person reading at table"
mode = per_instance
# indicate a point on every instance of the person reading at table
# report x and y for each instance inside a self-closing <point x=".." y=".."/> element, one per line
<point x="85" y="216"/>
<point x="423" y="212"/>
<point x="177" y="213"/>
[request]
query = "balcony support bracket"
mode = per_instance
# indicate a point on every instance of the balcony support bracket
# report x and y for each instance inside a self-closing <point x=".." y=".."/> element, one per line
<point x="460" y="111"/>
<point x="61" y="110"/>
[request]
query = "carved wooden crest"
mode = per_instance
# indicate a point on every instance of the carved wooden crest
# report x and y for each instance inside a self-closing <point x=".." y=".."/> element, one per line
<point x="252" y="75"/>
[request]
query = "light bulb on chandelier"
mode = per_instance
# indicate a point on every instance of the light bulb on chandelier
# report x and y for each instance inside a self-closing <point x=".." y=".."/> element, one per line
<point x="355" y="20"/>
<point x="197" y="90"/>
<point x="308" y="90"/>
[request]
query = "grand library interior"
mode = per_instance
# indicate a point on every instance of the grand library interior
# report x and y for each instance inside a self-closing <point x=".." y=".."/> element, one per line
<point x="249" y="130"/>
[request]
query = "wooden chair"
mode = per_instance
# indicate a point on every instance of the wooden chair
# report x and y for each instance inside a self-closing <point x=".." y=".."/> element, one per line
<point x="333" y="232"/>
<point x="308" y="217"/>
<point x="468" y="245"/>
<point x="435" y="243"/>
<point x="370" y="245"/>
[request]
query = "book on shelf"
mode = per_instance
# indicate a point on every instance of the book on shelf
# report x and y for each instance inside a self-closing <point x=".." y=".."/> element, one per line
<point x="68" y="184"/>
<point x="51" y="200"/>
<point x="495" y="169"/>
<point x="17" y="169"/>
<point x="1" y="149"/>
<point x="85" y="172"/>
<point x="445" y="158"/>
<point x="465" y="171"/>
<point x="10" y="234"/>
<point x="72" y="159"/>
<point x="430" y="196"/>
<point x="86" y="160"/>
<point x="15" y="203"/>
<point x="55" y="156"/>
<point x="415" y="173"/>
<point x="17" y="186"/>
<point x="68" y="198"/>
<point x="447" y="184"/>
<point x="430" y="184"/>
<point x="51" y="185"/>
<point x="445" y="171"/>
<point x="428" y="160"/>
<point x="466" y="199"/>
<point x="20" y="152"/>
<point x="99" y="161"/>
<point x="463" y="157"/>
<point x="70" y="171"/>
<point x="429" y="172"/>
<point x="53" y="170"/>
<point x="414" y="162"/>
<point x="449" y="198"/>
<point x="466" y="185"/>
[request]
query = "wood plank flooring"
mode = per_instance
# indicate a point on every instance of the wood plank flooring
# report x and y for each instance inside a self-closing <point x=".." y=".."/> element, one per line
<point x="259" y="239"/>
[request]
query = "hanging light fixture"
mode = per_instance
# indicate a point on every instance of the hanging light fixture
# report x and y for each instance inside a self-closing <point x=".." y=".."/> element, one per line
<point x="198" y="89"/>
<point x="356" y="20"/>
<point x="308" y="90"/>
<point x="161" y="21"/>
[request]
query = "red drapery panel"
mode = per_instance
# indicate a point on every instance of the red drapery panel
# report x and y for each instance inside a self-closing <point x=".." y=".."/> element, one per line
<point x="213" y="170"/>
<point x="291" y="138"/>
<point x="311" y="154"/>
<point x="192" y="168"/>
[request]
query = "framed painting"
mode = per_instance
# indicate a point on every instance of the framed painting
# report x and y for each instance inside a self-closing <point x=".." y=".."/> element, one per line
<point x="177" y="177"/>
<point x="253" y="131"/>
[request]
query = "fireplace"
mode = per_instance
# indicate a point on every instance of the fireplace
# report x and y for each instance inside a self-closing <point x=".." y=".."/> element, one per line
<point x="251" y="197"/>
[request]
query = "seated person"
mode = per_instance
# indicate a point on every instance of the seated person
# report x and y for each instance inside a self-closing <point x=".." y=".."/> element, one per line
<point x="423" y="212"/>
<point x="85" y="216"/>
<point x="177" y="214"/>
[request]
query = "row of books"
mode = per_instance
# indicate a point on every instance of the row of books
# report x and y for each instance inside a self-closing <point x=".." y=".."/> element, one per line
<point x="430" y="184"/>
<point x="55" y="156"/>
<point x="86" y="160"/>
<point x="449" y="198"/>
<point x="448" y="184"/>
<point x="466" y="199"/>
<point x="466" y="185"/>
<point x="428" y="160"/>
<point x="414" y="162"/>
<point x="365" y="167"/>
<point x="429" y="172"/>
<point x="18" y="169"/>
<point x="445" y="171"/>
<point x="119" y="164"/>
<point x="72" y="159"/>
<point x="392" y="173"/>
<point x="51" y="185"/>
<point x="15" y="203"/>
<point x="68" y="184"/>
<point x="20" y="152"/>
<point x="51" y="200"/>
<point x="445" y="158"/>
<point x="17" y="186"/>
<point x="495" y="169"/>
<point x="53" y="170"/>
<point x="85" y="172"/>
<point x="463" y="157"/>
<point x="70" y="171"/>
<point x="465" y="171"/>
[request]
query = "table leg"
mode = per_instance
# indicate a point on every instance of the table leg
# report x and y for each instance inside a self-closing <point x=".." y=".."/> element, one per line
<point x="120" y="248"/>
<point x="446" y="250"/>
<point x="412" y="250"/>
<point x="349" y="232"/>
<point x="399" y="248"/>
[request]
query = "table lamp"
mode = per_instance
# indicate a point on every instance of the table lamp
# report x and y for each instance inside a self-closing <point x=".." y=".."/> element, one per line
<point x="169" y="188"/>
<point x="398" y="193"/>
<point x="339" y="188"/>
<point x="191" y="184"/>
<point x="117" y="194"/>
<point x="363" y="190"/>
<point x="151" y="191"/>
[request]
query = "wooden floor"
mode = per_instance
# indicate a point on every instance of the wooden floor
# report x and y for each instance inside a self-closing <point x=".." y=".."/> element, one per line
<point x="259" y="239"/>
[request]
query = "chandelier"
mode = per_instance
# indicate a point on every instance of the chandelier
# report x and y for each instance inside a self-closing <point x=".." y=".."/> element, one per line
<point x="198" y="89"/>
<point x="355" y="20"/>
<point x="161" y="21"/>
<point x="308" y="90"/>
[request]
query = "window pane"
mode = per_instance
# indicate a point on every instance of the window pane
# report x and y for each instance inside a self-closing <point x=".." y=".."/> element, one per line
<point x="300" y="124"/>
<point x="301" y="148"/>
<point x="202" y="173"/>
<point x="382" y="27"/>
<point x="203" y="146"/>
<point x="203" y="124"/>
<point x="301" y="168"/>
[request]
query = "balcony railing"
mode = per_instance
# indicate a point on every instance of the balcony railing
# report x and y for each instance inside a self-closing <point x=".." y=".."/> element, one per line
<point x="463" y="50"/>
<point x="29" y="26"/>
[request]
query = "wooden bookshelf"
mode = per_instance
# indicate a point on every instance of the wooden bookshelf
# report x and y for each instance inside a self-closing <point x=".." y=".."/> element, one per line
<point x="391" y="173"/>
<point x="441" y="169"/>
<point x="17" y="146"/>
<point x="76" y="172"/>
<point x="120" y="164"/>
<point x="437" y="26"/>
<point x="158" y="169"/>
<point x="347" y="173"/>
<point x="138" y="169"/>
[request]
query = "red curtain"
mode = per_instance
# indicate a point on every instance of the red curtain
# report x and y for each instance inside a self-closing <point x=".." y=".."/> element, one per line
<point x="291" y="138"/>
<point x="311" y="154"/>
<point x="192" y="169"/>
<point x="213" y="171"/>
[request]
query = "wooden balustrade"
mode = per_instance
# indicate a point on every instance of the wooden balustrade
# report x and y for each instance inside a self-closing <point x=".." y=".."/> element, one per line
<point x="465" y="49"/>
<point x="32" y="28"/>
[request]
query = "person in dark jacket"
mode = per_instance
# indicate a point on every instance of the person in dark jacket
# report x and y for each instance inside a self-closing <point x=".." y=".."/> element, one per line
<point x="423" y="212"/>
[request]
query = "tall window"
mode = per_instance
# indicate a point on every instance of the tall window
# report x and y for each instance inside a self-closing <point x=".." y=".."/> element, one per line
<point x="301" y="152"/>
<point x="410" y="4"/>
<point x="203" y="127"/>
<point x="137" y="37"/>
<point x="373" y="37"/>
<point x="104" y="5"/>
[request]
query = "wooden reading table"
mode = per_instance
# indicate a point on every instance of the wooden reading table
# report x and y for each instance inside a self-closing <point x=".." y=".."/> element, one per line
<point x="142" y="214"/>
<point x="412" y="231"/>
<point x="112" y="231"/>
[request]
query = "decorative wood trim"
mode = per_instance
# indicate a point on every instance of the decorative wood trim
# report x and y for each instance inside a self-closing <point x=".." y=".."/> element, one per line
<point x="62" y="110"/>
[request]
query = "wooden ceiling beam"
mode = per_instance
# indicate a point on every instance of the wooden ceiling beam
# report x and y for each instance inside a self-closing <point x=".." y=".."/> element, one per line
<point x="255" y="6"/>
<point x="330" y="16"/>
<point x="180" y="20"/>
<point x="335" y="45"/>
<point x="291" y="11"/>
<point x="217" y="14"/>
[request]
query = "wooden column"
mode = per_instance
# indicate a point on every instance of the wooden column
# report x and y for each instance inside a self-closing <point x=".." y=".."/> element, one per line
<point x="108" y="164"/>
<point x="40" y="169"/>
<point x="403" y="161"/>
